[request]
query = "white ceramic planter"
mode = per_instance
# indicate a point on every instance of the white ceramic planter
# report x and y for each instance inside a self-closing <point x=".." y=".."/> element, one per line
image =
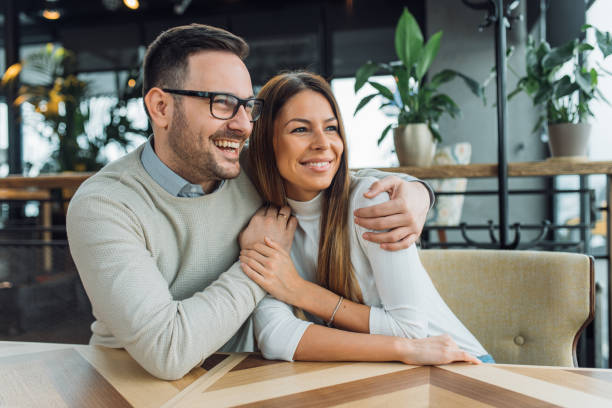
<point x="414" y="145"/>
<point x="569" y="139"/>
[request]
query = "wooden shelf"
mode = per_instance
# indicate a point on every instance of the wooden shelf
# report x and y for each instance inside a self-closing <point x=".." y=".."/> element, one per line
<point x="526" y="169"/>
<point x="47" y="181"/>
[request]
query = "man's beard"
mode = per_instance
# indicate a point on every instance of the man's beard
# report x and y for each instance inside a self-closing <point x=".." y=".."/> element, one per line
<point x="194" y="154"/>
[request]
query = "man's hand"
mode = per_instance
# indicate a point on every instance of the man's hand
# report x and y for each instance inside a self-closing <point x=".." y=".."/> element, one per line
<point x="404" y="215"/>
<point x="276" y="224"/>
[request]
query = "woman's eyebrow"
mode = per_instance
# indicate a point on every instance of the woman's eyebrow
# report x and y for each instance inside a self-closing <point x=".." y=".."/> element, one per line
<point x="306" y="121"/>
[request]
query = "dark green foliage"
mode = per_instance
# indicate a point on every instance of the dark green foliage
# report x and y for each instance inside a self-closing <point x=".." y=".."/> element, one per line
<point x="565" y="98"/>
<point x="419" y="101"/>
<point x="49" y="82"/>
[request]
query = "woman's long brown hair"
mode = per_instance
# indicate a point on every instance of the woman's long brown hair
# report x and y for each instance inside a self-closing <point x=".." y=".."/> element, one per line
<point x="334" y="268"/>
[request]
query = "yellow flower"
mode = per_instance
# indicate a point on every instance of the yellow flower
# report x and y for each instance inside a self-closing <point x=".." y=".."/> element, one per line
<point x="11" y="73"/>
<point x="59" y="53"/>
<point x="21" y="99"/>
<point x="53" y="104"/>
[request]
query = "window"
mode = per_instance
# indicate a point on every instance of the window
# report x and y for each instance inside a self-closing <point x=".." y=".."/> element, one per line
<point x="364" y="129"/>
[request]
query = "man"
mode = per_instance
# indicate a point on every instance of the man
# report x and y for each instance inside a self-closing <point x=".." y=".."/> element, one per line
<point x="154" y="234"/>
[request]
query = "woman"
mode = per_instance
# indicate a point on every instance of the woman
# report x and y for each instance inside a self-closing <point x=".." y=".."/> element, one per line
<point x="382" y="305"/>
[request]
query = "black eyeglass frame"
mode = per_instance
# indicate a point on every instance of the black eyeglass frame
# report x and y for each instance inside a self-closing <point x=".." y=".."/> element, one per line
<point x="211" y="96"/>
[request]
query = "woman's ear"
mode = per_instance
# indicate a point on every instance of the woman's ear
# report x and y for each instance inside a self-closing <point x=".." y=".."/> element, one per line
<point x="159" y="104"/>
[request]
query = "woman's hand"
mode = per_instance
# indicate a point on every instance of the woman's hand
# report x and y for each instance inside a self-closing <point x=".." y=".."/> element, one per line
<point x="432" y="351"/>
<point x="275" y="223"/>
<point x="271" y="267"/>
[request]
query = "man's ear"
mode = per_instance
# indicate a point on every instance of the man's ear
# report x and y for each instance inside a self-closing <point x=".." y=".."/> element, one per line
<point x="160" y="105"/>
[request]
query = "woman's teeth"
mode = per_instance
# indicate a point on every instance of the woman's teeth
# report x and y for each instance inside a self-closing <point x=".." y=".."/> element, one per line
<point x="317" y="164"/>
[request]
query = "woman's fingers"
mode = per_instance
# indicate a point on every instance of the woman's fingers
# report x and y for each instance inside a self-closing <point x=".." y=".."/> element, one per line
<point x="252" y="274"/>
<point x="253" y="264"/>
<point x="265" y="249"/>
<point x="255" y="255"/>
<point x="471" y="359"/>
<point x="273" y="246"/>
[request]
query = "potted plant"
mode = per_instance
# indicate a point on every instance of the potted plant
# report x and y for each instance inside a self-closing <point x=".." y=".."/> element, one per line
<point x="564" y="97"/>
<point x="418" y="103"/>
<point x="49" y="82"/>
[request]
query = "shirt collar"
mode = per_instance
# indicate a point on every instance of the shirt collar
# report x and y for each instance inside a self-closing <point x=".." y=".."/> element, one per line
<point x="165" y="177"/>
<point x="308" y="209"/>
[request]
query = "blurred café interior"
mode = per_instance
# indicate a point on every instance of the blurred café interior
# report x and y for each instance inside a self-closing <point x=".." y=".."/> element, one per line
<point x="70" y="102"/>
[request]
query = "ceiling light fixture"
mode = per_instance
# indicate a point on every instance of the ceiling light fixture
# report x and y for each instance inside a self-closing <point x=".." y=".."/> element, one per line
<point x="51" y="14"/>
<point x="51" y="11"/>
<point x="132" y="4"/>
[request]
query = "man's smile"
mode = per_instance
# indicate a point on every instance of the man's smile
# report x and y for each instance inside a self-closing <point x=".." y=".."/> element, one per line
<point x="229" y="147"/>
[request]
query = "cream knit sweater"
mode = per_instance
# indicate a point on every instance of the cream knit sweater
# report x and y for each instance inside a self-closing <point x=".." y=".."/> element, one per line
<point x="161" y="271"/>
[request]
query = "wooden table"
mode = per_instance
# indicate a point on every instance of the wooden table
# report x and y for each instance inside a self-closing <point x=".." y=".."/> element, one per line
<point x="56" y="375"/>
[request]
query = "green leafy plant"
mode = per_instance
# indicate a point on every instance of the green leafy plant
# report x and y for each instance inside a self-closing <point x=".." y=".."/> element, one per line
<point x="564" y="97"/>
<point x="48" y="81"/>
<point x="417" y="100"/>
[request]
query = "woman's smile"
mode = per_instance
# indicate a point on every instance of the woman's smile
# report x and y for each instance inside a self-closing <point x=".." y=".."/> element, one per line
<point x="318" y="165"/>
<point x="307" y="145"/>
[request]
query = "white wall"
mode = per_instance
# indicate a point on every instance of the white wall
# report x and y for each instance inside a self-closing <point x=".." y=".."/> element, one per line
<point x="472" y="53"/>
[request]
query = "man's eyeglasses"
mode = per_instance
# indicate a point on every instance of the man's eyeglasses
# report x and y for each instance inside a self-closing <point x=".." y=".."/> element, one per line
<point x="223" y="105"/>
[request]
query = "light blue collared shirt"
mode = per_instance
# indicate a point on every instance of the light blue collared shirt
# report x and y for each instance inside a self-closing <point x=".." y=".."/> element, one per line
<point x="165" y="177"/>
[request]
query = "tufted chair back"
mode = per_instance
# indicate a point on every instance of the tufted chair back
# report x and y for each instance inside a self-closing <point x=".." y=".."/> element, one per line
<point x="525" y="307"/>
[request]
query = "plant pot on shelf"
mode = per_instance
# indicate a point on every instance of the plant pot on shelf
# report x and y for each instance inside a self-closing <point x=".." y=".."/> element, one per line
<point x="414" y="145"/>
<point x="569" y="140"/>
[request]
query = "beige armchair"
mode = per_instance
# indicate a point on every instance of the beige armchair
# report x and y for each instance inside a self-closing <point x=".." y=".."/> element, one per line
<point x="525" y="307"/>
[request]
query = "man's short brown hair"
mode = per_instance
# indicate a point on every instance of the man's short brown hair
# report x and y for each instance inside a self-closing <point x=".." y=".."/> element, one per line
<point x="166" y="60"/>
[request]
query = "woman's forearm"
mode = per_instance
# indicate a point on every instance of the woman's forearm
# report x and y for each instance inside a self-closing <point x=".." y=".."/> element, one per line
<point x="320" y="343"/>
<point x="321" y="302"/>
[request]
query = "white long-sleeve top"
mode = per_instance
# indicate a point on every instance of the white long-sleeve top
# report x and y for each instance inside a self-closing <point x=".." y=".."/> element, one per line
<point x="402" y="298"/>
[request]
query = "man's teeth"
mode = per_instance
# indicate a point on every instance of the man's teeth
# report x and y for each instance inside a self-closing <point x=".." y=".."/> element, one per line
<point x="227" y="143"/>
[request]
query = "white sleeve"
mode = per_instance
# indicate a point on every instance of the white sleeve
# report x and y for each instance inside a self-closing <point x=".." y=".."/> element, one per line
<point x="277" y="330"/>
<point x="406" y="177"/>
<point x="401" y="281"/>
<point x="131" y="298"/>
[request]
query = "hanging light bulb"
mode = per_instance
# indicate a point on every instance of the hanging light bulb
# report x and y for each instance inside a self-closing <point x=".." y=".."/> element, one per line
<point x="132" y="4"/>
<point x="51" y="14"/>
<point x="51" y="11"/>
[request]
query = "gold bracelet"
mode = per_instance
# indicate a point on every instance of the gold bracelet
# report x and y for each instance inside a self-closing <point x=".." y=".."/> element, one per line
<point x="331" y="320"/>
